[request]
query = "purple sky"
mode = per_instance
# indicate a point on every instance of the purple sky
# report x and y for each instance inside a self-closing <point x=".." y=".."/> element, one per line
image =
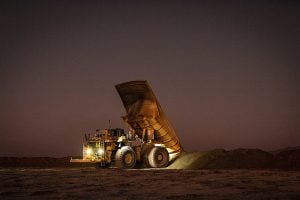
<point x="227" y="75"/>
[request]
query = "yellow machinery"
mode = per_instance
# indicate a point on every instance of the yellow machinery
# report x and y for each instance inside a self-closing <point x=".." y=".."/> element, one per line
<point x="151" y="140"/>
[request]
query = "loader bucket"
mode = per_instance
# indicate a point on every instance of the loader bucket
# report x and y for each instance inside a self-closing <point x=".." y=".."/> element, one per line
<point x="144" y="112"/>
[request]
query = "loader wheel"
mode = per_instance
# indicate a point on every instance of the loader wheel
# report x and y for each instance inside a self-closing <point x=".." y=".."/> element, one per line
<point x="158" y="157"/>
<point x="125" y="158"/>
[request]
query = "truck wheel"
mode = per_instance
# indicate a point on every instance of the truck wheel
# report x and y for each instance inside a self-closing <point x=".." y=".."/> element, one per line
<point x="158" y="157"/>
<point x="125" y="158"/>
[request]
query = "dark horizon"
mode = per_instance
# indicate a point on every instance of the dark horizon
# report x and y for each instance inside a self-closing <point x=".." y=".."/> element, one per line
<point x="225" y="73"/>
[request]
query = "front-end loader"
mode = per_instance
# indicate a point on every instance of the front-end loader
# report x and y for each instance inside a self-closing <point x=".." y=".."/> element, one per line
<point x="151" y="140"/>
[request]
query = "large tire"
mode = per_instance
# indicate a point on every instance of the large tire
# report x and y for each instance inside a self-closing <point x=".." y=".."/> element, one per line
<point x="158" y="157"/>
<point x="125" y="158"/>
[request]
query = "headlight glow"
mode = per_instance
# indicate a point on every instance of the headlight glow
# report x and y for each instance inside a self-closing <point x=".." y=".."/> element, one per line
<point x="89" y="151"/>
<point x="100" y="151"/>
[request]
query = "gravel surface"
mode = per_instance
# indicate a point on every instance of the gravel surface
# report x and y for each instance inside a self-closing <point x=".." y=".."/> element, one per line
<point x="115" y="184"/>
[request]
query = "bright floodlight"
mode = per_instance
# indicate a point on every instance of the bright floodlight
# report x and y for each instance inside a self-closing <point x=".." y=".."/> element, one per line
<point x="89" y="151"/>
<point x="100" y="151"/>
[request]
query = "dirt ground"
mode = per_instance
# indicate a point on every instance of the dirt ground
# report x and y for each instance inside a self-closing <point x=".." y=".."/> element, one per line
<point x="115" y="184"/>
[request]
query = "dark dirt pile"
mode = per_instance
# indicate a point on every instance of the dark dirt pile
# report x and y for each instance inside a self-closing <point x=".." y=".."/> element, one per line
<point x="288" y="159"/>
<point x="238" y="159"/>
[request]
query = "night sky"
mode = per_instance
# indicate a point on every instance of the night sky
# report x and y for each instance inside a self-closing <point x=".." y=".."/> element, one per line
<point x="225" y="72"/>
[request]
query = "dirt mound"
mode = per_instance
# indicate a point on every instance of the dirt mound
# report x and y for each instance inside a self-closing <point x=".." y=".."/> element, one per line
<point x="238" y="159"/>
<point x="196" y="160"/>
<point x="275" y="152"/>
<point x="242" y="158"/>
<point x="288" y="159"/>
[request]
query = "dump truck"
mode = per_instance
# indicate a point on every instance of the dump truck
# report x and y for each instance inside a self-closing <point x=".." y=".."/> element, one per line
<point x="150" y="141"/>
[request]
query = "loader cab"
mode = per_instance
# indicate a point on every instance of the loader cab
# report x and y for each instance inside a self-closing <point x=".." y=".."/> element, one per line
<point x="118" y="132"/>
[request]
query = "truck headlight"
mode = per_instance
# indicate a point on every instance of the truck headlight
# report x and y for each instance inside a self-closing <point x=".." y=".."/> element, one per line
<point x="89" y="151"/>
<point x="100" y="151"/>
